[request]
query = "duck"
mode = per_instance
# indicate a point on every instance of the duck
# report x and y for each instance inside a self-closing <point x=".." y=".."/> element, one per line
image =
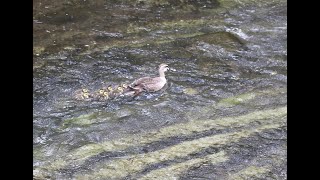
<point x="149" y="84"/>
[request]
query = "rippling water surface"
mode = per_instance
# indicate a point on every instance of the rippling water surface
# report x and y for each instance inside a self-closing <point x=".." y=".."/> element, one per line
<point x="222" y="114"/>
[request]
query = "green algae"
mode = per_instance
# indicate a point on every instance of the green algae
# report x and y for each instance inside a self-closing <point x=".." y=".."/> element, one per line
<point x="190" y="91"/>
<point x="226" y="39"/>
<point x="171" y="26"/>
<point x="246" y="98"/>
<point x="88" y="119"/>
<point x="38" y="153"/>
<point x="249" y="172"/>
<point x="134" y="42"/>
<point x="235" y="100"/>
<point x="228" y="4"/>
<point x="173" y="172"/>
<point x="85" y="119"/>
<point x="132" y="164"/>
<point x="85" y="152"/>
<point x="183" y="24"/>
<point x="38" y="50"/>
<point x="77" y="156"/>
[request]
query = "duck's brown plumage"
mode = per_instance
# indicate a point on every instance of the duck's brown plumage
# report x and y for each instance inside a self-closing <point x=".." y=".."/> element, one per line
<point x="150" y="84"/>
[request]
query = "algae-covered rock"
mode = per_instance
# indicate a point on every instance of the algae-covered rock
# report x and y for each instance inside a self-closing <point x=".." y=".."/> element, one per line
<point x="190" y="91"/>
<point x="235" y="100"/>
<point x="38" y="50"/>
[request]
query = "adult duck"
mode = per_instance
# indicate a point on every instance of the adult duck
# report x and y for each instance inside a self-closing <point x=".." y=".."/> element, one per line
<point x="149" y="84"/>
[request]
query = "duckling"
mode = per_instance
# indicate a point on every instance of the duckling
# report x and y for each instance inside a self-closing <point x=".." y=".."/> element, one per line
<point x="86" y="95"/>
<point x="82" y="94"/>
<point x="105" y="95"/>
<point x="109" y="88"/>
<point x="101" y="91"/>
<point x="85" y="90"/>
<point x="125" y="86"/>
<point x="101" y="95"/>
<point x="127" y="91"/>
<point x="117" y="91"/>
<point x="150" y="84"/>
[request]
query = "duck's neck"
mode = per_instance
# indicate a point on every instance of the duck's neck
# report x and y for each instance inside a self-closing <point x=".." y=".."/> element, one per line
<point x="161" y="73"/>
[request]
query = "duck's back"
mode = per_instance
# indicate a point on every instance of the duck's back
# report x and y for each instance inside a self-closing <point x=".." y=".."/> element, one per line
<point x="140" y="81"/>
<point x="150" y="84"/>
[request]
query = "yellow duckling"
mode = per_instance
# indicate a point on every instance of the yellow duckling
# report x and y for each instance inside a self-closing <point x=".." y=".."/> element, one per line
<point x="124" y="86"/>
<point x="106" y="95"/>
<point x="85" y="90"/>
<point x="99" y="95"/>
<point x="109" y="88"/>
<point x="109" y="91"/>
<point x="101" y="91"/>
<point x="118" y="91"/>
<point x="86" y="95"/>
<point x="82" y="94"/>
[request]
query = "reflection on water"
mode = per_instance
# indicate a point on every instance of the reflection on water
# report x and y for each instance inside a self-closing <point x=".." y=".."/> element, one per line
<point x="230" y="59"/>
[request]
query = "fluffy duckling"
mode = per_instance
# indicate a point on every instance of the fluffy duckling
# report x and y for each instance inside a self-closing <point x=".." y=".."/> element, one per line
<point x="107" y="88"/>
<point x="98" y="93"/>
<point x="82" y="94"/>
<point x="117" y="91"/>
<point x="101" y="95"/>
<point x="125" y="86"/>
<point x="110" y="89"/>
<point x="105" y="95"/>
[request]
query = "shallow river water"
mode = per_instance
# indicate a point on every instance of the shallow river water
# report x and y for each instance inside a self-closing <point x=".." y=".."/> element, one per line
<point x="222" y="114"/>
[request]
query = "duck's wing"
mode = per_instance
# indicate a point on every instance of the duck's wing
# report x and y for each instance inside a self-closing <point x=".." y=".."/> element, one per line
<point x="141" y="81"/>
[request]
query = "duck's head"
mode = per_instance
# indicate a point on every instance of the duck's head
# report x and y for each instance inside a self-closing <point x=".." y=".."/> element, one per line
<point x="124" y="86"/>
<point x="105" y="94"/>
<point x="86" y="95"/>
<point x="110" y="88"/>
<point x="163" y="67"/>
<point x="101" y="91"/>
<point x="120" y="88"/>
<point x="85" y="90"/>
